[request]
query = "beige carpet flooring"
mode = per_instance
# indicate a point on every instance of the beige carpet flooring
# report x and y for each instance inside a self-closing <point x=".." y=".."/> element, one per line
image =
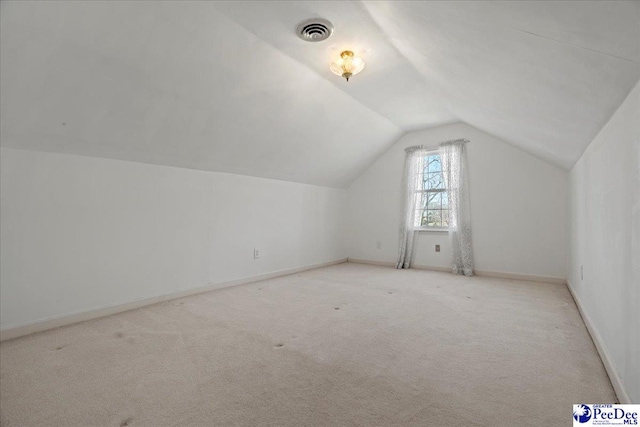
<point x="347" y="345"/>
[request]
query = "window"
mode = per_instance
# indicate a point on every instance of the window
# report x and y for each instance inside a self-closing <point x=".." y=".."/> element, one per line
<point x="431" y="198"/>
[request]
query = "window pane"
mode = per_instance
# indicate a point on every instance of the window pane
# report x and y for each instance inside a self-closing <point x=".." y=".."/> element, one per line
<point x="433" y="163"/>
<point x="434" y="218"/>
<point x="432" y="204"/>
<point x="434" y="200"/>
<point x="433" y="180"/>
<point x="423" y="219"/>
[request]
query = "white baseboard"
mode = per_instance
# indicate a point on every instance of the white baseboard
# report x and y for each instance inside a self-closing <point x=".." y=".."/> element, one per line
<point x="518" y="276"/>
<point x="68" y="319"/>
<point x="607" y="360"/>
<point x="371" y="262"/>
<point x="393" y="264"/>
<point x="432" y="268"/>
<point x="497" y="274"/>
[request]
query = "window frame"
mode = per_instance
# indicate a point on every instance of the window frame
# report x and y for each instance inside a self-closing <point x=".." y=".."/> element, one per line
<point x="436" y="229"/>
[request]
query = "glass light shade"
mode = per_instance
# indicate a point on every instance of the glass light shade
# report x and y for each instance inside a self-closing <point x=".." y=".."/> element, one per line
<point x="347" y="65"/>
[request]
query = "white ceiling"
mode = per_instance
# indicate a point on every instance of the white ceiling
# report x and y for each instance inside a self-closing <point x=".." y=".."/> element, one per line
<point x="227" y="86"/>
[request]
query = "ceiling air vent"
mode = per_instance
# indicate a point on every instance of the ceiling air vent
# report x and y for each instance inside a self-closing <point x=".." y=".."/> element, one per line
<point x="314" y="30"/>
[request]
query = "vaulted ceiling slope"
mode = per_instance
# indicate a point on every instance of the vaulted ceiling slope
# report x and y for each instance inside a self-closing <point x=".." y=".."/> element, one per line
<point x="176" y="83"/>
<point x="227" y="86"/>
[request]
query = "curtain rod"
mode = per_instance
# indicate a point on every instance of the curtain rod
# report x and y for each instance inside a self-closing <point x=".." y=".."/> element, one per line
<point x="422" y="147"/>
<point x="455" y="140"/>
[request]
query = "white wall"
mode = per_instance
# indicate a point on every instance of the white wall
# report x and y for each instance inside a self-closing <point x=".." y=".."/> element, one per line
<point x="605" y="238"/>
<point x="81" y="233"/>
<point x="518" y="207"/>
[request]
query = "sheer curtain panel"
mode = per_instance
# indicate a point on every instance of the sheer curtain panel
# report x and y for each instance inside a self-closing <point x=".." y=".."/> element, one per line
<point x="454" y="161"/>
<point x="411" y="182"/>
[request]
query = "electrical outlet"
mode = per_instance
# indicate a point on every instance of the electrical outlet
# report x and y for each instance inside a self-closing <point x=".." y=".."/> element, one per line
<point x="437" y="248"/>
<point x="378" y="244"/>
<point x="256" y="254"/>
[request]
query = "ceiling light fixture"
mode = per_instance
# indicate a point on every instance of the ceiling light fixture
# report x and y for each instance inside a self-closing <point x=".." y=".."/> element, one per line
<point x="347" y="65"/>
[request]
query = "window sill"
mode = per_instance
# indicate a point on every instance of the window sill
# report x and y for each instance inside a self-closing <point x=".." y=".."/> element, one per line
<point x="432" y="230"/>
